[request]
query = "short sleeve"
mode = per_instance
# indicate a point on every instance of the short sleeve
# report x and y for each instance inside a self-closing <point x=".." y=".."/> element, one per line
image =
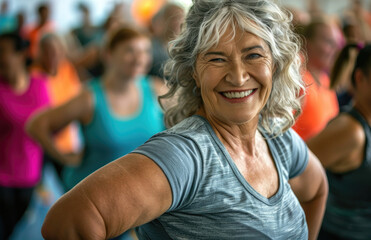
<point x="299" y="155"/>
<point x="180" y="159"/>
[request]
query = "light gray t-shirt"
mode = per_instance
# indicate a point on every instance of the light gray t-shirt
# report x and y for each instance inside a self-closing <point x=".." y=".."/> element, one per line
<point x="211" y="198"/>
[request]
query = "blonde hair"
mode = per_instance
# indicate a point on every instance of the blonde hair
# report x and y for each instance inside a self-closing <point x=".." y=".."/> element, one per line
<point x="205" y="23"/>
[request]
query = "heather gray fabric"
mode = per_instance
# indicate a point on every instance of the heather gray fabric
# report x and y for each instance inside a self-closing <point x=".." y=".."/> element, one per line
<point x="211" y="198"/>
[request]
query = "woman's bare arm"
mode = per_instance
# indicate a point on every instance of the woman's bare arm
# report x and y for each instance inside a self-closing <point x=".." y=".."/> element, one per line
<point x="311" y="189"/>
<point x="126" y="193"/>
<point x="43" y="125"/>
<point x="340" y="139"/>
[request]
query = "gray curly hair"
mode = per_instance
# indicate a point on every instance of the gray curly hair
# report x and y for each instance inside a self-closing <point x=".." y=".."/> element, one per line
<point x="206" y="22"/>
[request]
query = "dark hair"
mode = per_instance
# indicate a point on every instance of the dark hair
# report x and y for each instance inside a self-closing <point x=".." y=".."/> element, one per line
<point x="19" y="43"/>
<point x="310" y="30"/>
<point x="123" y="34"/>
<point x="42" y="7"/>
<point x="363" y="62"/>
<point x="342" y="59"/>
<point x="83" y="7"/>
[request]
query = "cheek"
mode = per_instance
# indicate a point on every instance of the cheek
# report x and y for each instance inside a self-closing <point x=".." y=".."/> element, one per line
<point x="122" y="60"/>
<point x="146" y="58"/>
<point x="210" y="81"/>
<point x="264" y="74"/>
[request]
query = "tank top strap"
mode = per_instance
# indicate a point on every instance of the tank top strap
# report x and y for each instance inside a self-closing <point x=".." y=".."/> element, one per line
<point x="95" y="86"/>
<point x="357" y="115"/>
<point x="148" y="95"/>
<point x="367" y="129"/>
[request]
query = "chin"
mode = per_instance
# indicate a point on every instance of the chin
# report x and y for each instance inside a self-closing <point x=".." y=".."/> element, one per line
<point x="241" y="119"/>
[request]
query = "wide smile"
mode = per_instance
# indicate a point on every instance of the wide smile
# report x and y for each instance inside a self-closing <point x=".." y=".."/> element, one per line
<point x="238" y="95"/>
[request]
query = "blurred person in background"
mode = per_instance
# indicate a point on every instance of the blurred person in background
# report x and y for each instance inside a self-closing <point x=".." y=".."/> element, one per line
<point x="344" y="148"/>
<point x="20" y="156"/>
<point x="351" y="31"/>
<point x="357" y="23"/>
<point x="117" y="111"/>
<point x="8" y="23"/>
<point x="165" y="25"/>
<point x="21" y="20"/>
<point x="63" y="84"/>
<point x="299" y="17"/>
<point x="86" y="33"/>
<point x="340" y="77"/>
<point x="84" y="44"/>
<point x="320" y="102"/>
<point x="88" y="59"/>
<point x="43" y="26"/>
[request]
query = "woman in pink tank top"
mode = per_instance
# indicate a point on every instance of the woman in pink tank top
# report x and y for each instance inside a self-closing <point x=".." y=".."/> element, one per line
<point x="20" y="156"/>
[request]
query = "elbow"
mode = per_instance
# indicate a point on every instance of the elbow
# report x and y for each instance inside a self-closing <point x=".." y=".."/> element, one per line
<point x="59" y="222"/>
<point x="46" y="234"/>
<point x="72" y="217"/>
<point x="48" y="229"/>
<point x="33" y="126"/>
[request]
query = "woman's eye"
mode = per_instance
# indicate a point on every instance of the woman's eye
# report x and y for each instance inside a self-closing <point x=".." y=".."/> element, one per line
<point x="253" y="56"/>
<point x="217" y="60"/>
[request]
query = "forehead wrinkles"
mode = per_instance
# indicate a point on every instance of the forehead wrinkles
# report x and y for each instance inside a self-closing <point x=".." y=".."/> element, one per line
<point x="224" y="21"/>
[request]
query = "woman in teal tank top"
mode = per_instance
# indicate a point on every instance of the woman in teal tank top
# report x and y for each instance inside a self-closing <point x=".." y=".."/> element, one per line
<point x="109" y="136"/>
<point x="117" y="112"/>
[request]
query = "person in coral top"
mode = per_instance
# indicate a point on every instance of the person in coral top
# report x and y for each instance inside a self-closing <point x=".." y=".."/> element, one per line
<point x="43" y="26"/>
<point x="63" y="84"/>
<point x="319" y="103"/>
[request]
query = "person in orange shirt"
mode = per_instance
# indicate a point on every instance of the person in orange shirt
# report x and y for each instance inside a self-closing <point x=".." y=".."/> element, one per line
<point x="43" y="27"/>
<point x="63" y="84"/>
<point x="320" y="103"/>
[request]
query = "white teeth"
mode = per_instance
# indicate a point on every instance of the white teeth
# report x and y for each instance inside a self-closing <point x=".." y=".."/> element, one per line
<point x="237" y="94"/>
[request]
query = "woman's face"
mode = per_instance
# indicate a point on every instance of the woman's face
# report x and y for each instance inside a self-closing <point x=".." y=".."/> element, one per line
<point x="235" y="78"/>
<point x="51" y="54"/>
<point x="131" y="58"/>
<point x="10" y="60"/>
<point x="322" y="47"/>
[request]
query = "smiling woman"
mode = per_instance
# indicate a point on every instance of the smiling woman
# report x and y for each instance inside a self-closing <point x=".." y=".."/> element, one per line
<point x="229" y="167"/>
<point x="235" y="77"/>
<point x="275" y="39"/>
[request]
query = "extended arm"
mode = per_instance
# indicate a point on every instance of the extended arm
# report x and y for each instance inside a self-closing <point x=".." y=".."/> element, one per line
<point x="311" y="189"/>
<point x="42" y="126"/>
<point x="125" y="193"/>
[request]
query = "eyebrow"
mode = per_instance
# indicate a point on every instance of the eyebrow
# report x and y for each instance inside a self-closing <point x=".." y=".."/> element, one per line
<point x="242" y="51"/>
<point x="251" y="48"/>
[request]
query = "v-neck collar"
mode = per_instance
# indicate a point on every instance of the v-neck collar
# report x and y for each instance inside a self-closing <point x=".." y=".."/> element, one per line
<point x="269" y="201"/>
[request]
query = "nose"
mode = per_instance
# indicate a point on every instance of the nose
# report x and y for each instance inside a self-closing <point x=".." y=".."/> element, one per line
<point x="141" y="57"/>
<point x="237" y="74"/>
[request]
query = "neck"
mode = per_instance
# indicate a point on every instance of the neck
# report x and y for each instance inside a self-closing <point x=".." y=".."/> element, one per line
<point x="41" y="23"/>
<point x="117" y="84"/>
<point x="364" y="109"/>
<point x="19" y="82"/>
<point x="315" y="72"/>
<point x="86" y="23"/>
<point x="235" y="136"/>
